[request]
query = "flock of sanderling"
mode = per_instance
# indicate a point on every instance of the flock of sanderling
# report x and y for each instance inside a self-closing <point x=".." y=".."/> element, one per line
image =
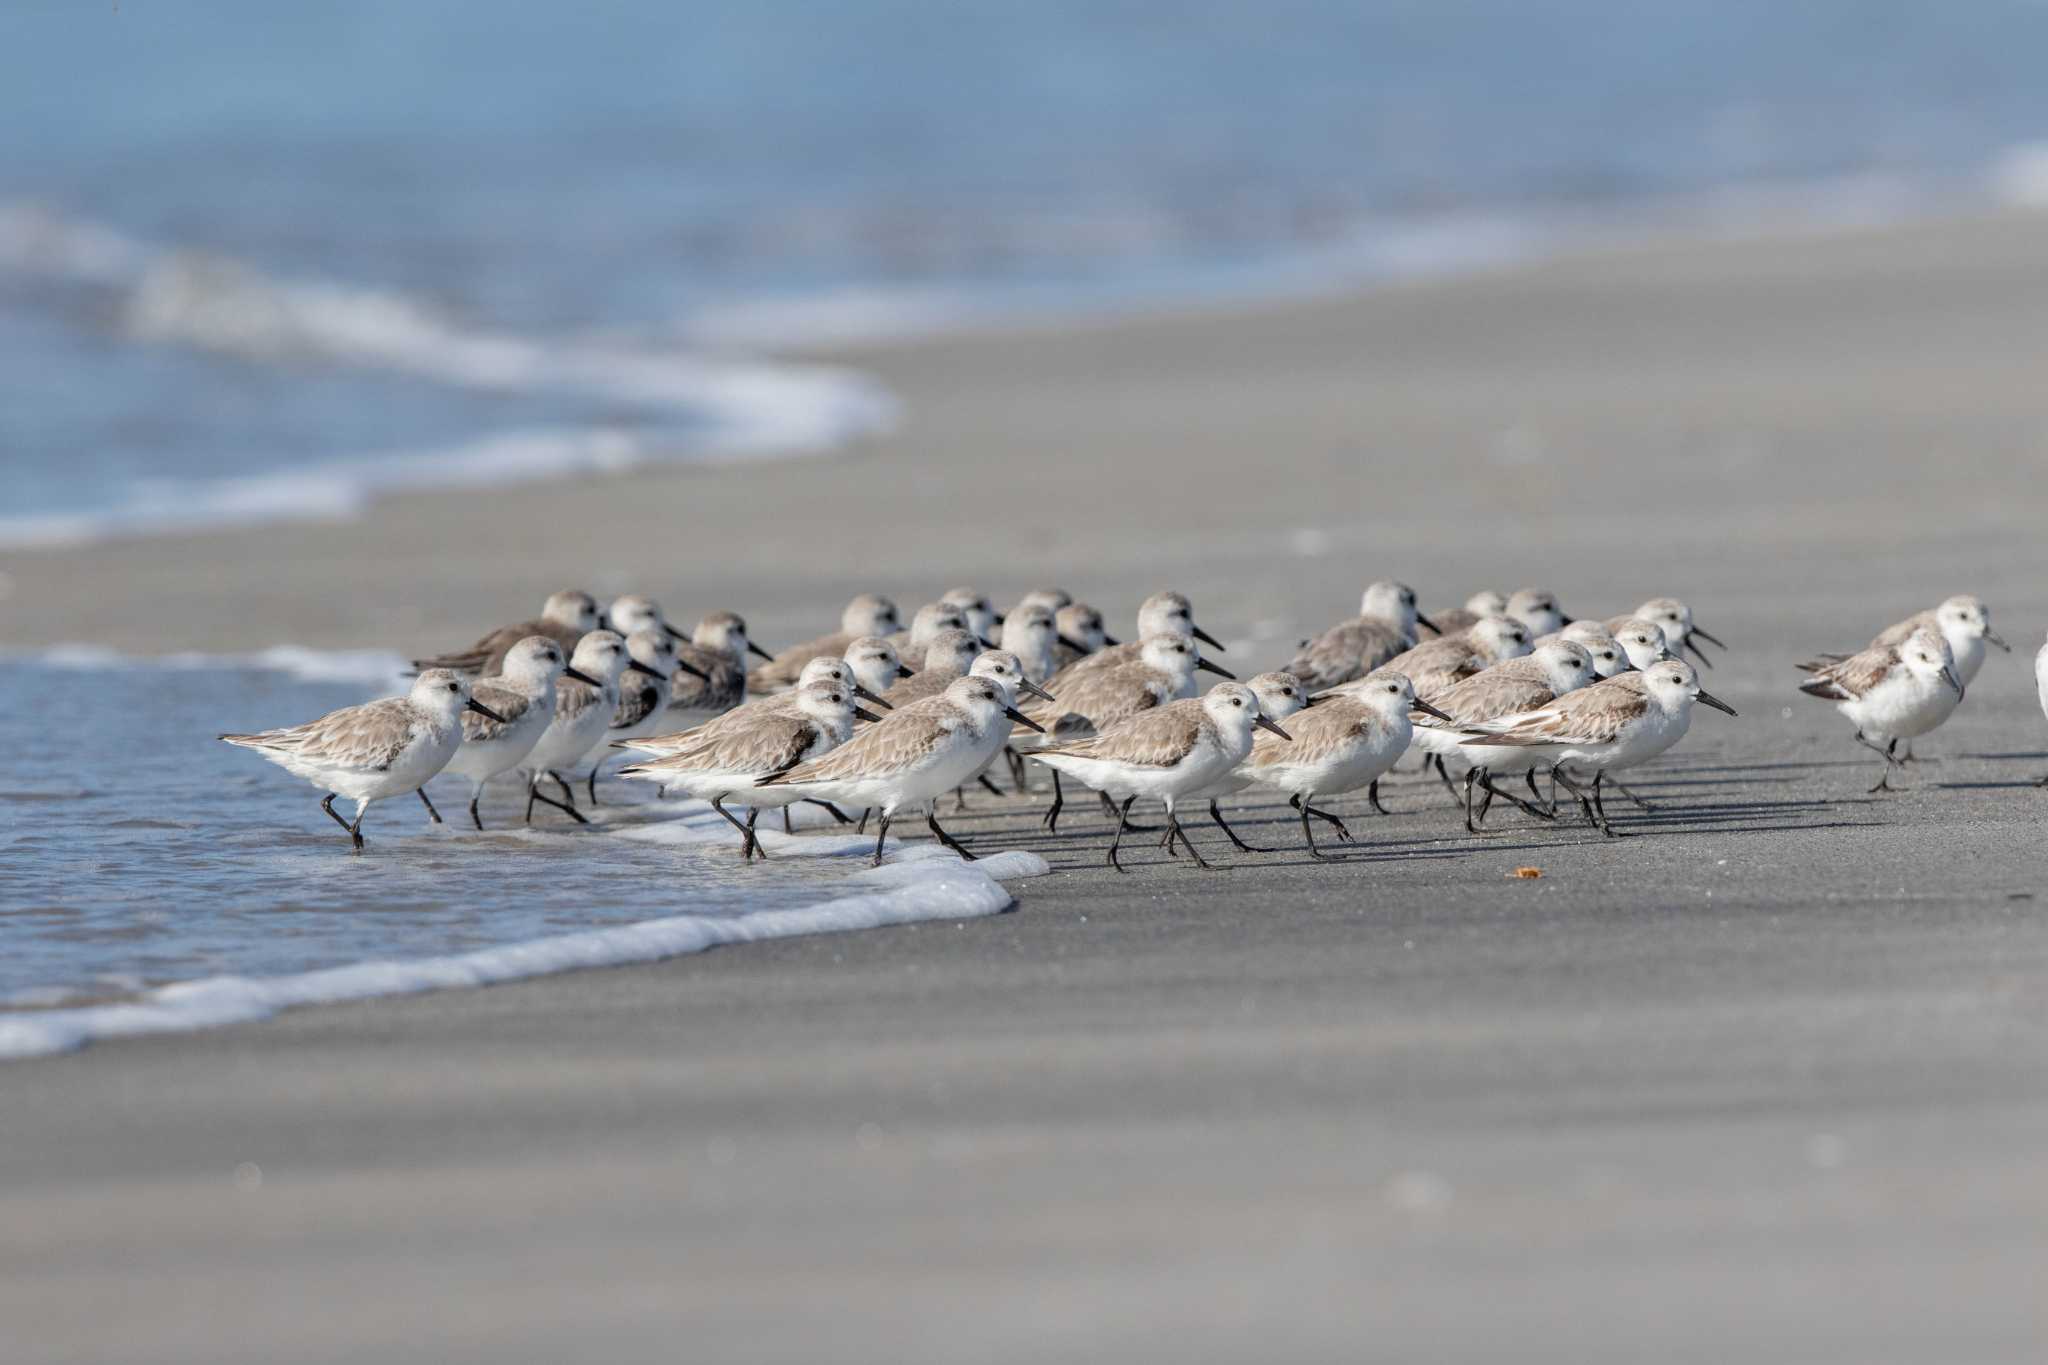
<point x="1504" y="687"/>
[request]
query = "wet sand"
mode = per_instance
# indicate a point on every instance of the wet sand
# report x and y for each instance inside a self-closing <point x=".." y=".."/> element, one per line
<point x="1767" y="1080"/>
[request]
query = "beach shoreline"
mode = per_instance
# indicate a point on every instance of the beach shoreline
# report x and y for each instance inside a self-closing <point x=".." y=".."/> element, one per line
<point x="1763" y="1081"/>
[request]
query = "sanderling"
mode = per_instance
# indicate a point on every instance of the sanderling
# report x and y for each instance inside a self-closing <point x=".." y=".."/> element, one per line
<point x="724" y="760"/>
<point x="930" y="619"/>
<point x="567" y="618"/>
<point x="875" y="666"/>
<point x="1348" y="741"/>
<point x="1674" y="618"/>
<point x="1435" y="664"/>
<point x="1892" y="692"/>
<point x="1161" y="613"/>
<point x="982" y="617"/>
<point x="1480" y="604"/>
<point x="1642" y="641"/>
<point x="912" y="756"/>
<point x="1081" y="633"/>
<point x="1033" y="636"/>
<point x="868" y="614"/>
<point x="1511" y="688"/>
<point x="1537" y="609"/>
<point x="1385" y="626"/>
<point x="582" y="712"/>
<point x="1167" y="753"/>
<point x="1619" y="723"/>
<point x="1609" y="656"/>
<point x="636" y="611"/>
<point x="1280" y="695"/>
<point x="523" y="697"/>
<point x="998" y="664"/>
<point x="643" y="704"/>
<point x="381" y="748"/>
<point x="1964" y="621"/>
<point x="948" y="654"/>
<point x="717" y="655"/>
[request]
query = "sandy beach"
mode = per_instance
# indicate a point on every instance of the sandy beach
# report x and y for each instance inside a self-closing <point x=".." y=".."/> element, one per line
<point x="1767" y="1081"/>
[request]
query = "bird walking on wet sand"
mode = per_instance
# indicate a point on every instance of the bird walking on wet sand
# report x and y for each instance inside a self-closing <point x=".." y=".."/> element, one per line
<point x="1674" y="618"/>
<point x="377" y="750"/>
<point x="1350" y="740"/>
<point x="521" y="700"/>
<point x="1163" y="613"/>
<point x="724" y="760"/>
<point x="643" y="702"/>
<point x="1169" y="753"/>
<point x="583" y="710"/>
<point x="1618" y="723"/>
<point x="1964" y="622"/>
<point x="1892" y="693"/>
<point x="566" y="618"/>
<point x="1280" y="695"/>
<point x="1509" y="688"/>
<point x="912" y="756"/>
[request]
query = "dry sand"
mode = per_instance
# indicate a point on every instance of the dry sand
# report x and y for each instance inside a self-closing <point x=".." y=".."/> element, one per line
<point x="1768" y="1082"/>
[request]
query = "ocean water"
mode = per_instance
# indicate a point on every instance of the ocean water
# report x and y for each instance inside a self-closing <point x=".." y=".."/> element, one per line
<point x="152" y="878"/>
<point x="262" y="260"/>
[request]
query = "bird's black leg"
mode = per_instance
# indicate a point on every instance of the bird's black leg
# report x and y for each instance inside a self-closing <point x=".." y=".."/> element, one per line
<point x="991" y="788"/>
<point x="355" y="831"/>
<point x="1121" y="822"/>
<point x="1216" y="814"/>
<point x="475" y="797"/>
<point x="838" y="816"/>
<point x="1640" y="804"/>
<point x="428" y="803"/>
<point x="1529" y="780"/>
<point x="1486" y="781"/>
<point x="931" y="820"/>
<point x="862" y="827"/>
<point x="332" y="813"/>
<point x="1323" y="815"/>
<point x="747" y="844"/>
<point x="1017" y="770"/>
<point x="1884" y="783"/>
<point x="1052" y="814"/>
<point x="1471" y="781"/>
<point x="533" y="794"/>
<point x="881" y="833"/>
<point x="1445" y="774"/>
<point x="753" y="814"/>
<point x="1372" y="794"/>
<point x="1584" y="800"/>
<point x="1174" y="831"/>
<point x="591" y="786"/>
<point x="1600" y="806"/>
<point x="1109" y="809"/>
<point x="568" y="792"/>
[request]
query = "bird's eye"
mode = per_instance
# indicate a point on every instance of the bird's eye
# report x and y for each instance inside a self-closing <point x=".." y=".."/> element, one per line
<point x="454" y="687"/>
<point x="1235" y="702"/>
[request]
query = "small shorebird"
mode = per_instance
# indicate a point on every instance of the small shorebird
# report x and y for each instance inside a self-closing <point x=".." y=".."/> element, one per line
<point x="582" y="711"/>
<point x="1892" y="692"/>
<point x="1280" y="695"/>
<point x="874" y="664"/>
<point x="1480" y="604"/>
<point x="1435" y="664"/>
<point x="998" y="664"/>
<point x="1964" y="621"/>
<point x="634" y="612"/>
<point x="1161" y="613"/>
<point x="1619" y="723"/>
<point x="931" y="618"/>
<point x="1050" y="598"/>
<point x="947" y="655"/>
<point x="1609" y="657"/>
<point x="1384" y="627"/>
<point x="567" y="618"/>
<point x="868" y="614"/>
<point x="982" y="617"/>
<point x="1032" y="634"/>
<point x="1511" y="688"/>
<point x="1674" y="618"/>
<point x="522" y="698"/>
<point x="1081" y="633"/>
<point x="1091" y="699"/>
<point x="912" y="756"/>
<point x="379" y="749"/>
<point x="1537" y="609"/>
<point x="1643" y="642"/>
<point x="643" y="705"/>
<point x="1350" y="740"/>
<point x="726" y="758"/>
<point x="1169" y="753"/>
<point x="716" y="679"/>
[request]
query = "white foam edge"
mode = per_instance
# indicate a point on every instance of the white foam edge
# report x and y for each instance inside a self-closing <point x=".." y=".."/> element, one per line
<point x="920" y="882"/>
<point x="374" y="667"/>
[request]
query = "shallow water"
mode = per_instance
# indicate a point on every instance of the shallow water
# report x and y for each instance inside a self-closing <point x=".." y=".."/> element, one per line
<point x="136" y="850"/>
<point x="259" y="260"/>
